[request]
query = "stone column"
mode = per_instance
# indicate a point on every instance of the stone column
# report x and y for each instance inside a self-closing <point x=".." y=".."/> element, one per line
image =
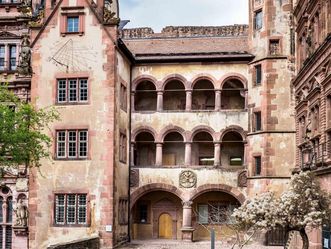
<point x="217" y="154"/>
<point x="217" y="100"/>
<point x="188" y="153"/>
<point x="159" y="104"/>
<point x="132" y="154"/>
<point x="158" y="159"/>
<point x="246" y="99"/>
<point x="187" y="229"/>
<point x="7" y="63"/>
<point x="132" y="101"/>
<point x="188" y="106"/>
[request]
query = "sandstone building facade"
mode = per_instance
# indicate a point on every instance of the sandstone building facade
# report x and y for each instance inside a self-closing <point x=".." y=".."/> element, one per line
<point x="160" y="132"/>
<point x="312" y="85"/>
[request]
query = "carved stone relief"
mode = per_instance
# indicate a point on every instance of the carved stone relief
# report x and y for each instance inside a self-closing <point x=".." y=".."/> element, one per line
<point x="242" y="179"/>
<point x="134" y="177"/>
<point x="187" y="179"/>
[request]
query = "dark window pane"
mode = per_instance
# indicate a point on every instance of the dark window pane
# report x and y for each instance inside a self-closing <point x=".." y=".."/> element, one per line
<point x="59" y="209"/>
<point x="2" y="57"/>
<point x="258" y="165"/>
<point x="83" y="90"/>
<point x="73" y="24"/>
<point x="72" y="143"/>
<point x="258" y="121"/>
<point x="9" y="209"/>
<point x="61" y="91"/>
<point x="258" y="74"/>
<point x="72" y="90"/>
<point x="258" y="20"/>
<point x="12" y="57"/>
<point x="8" y="237"/>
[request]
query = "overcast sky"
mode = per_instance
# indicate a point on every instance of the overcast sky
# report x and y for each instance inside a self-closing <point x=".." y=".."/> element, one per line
<point x="160" y="13"/>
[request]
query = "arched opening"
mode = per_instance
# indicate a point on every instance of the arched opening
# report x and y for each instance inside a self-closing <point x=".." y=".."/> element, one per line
<point x="173" y="149"/>
<point x="203" y="95"/>
<point x="213" y="210"/>
<point x="157" y="215"/>
<point x="232" y="151"/>
<point x="233" y="95"/>
<point x="203" y="149"/>
<point x="144" y="149"/>
<point x="145" y="96"/>
<point x="174" y="96"/>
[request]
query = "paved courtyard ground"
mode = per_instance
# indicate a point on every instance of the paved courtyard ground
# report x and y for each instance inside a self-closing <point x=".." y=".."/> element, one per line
<point x="177" y="244"/>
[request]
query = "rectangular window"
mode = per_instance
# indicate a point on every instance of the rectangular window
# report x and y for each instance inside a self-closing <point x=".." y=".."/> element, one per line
<point x="203" y="214"/>
<point x="217" y="212"/>
<point x="72" y="24"/>
<point x="2" y="57"/>
<point x="274" y="48"/>
<point x="257" y="121"/>
<point x="258" y="20"/>
<point x="258" y="74"/>
<point x="12" y="57"/>
<point x="70" y="209"/>
<point x="328" y="110"/>
<point x="236" y="161"/>
<point x="143" y="213"/>
<point x="123" y="148"/>
<point x="258" y="165"/>
<point x="123" y="95"/>
<point x="72" y="90"/>
<point x="72" y="144"/>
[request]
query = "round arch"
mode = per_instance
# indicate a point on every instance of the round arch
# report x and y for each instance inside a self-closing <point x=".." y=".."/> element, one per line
<point x="154" y="187"/>
<point x="230" y="76"/>
<point x="139" y="130"/>
<point x="142" y="78"/>
<point x="171" y="128"/>
<point x="171" y="77"/>
<point x="234" y="128"/>
<point x="199" y="77"/>
<point x="219" y="188"/>
<point x="201" y="128"/>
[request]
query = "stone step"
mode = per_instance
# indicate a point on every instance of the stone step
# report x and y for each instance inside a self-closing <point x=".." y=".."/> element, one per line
<point x="178" y="244"/>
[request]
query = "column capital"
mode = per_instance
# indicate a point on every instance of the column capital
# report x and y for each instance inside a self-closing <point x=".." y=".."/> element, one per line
<point x="189" y="90"/>
<point x="187" y="204"/>
<point x="159" y="92"/>
<point x="159" y="144"/>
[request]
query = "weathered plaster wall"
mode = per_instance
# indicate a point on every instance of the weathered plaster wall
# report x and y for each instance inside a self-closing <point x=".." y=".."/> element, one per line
<point x="93" y="176"/>
<point x="121" y="169"/>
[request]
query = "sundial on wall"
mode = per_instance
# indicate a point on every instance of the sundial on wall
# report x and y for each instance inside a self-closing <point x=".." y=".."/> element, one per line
<point x="71" y="56"/>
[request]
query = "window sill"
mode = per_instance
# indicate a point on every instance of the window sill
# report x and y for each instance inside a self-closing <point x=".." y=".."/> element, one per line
<point x="71" y="103"/>
<point x="71" y="159"/>
<point x="71" y="225"/>
<point x="72" y="33"/>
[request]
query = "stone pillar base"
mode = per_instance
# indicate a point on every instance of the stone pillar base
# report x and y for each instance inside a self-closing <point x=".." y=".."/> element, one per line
<point x="187" y="233"/>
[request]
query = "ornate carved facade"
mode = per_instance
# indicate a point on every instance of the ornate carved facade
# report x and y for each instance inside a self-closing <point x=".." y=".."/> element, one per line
<point x="312" y="89"/>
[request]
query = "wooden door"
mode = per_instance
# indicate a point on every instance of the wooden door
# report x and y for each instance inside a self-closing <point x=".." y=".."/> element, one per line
<point x="165" y="226"/>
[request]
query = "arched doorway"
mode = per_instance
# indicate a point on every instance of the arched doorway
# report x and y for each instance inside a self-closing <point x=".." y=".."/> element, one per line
<point x="157" y="215"/>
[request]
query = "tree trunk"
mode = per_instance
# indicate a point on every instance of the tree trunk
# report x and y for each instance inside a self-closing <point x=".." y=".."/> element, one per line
<point x="305" y="240"/>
